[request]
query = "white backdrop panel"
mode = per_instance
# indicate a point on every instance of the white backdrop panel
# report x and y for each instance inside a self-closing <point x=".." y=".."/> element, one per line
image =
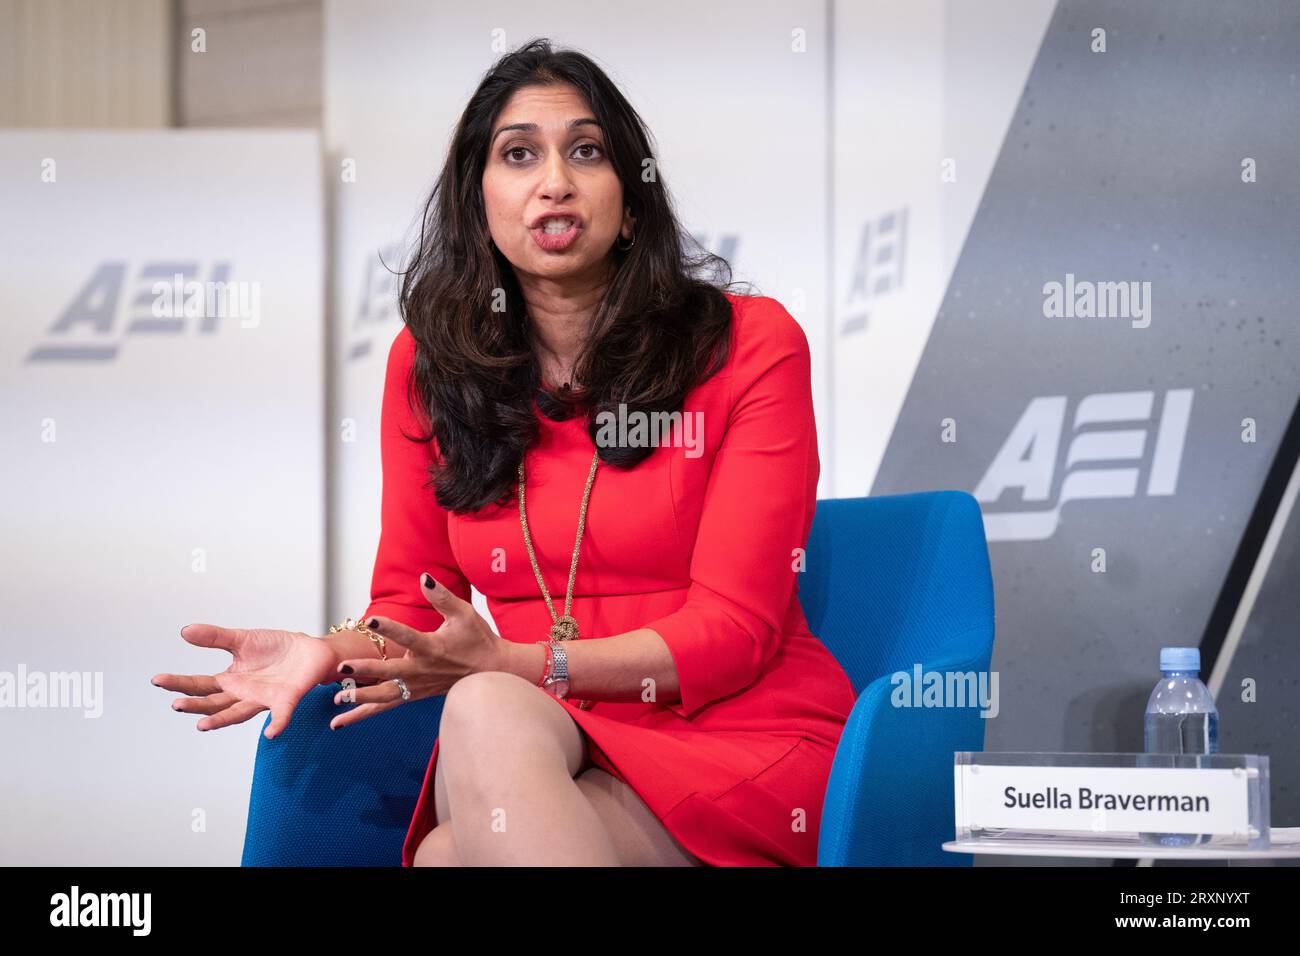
<point x="158" y="472"/>
<point x="923" y="94"/>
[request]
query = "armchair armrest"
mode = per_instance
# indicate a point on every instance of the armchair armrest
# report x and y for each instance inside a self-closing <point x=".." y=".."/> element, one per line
<point x="889" y="801"/>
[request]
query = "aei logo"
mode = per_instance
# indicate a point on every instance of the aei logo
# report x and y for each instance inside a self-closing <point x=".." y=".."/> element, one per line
<point x="380" y="288"/>
<point x="1027" y="460"/>
<point x="165" y="298"/>
<point x="877" y="267"/>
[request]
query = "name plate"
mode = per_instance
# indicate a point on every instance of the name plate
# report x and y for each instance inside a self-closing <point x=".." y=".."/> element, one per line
<point x="1196" y="800"/>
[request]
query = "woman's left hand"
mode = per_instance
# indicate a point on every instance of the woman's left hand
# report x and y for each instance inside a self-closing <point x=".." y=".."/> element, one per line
<point x="464" y="644"/>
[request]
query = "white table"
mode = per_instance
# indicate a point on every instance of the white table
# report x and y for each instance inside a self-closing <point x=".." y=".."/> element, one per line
<point x="1284" y="843"/>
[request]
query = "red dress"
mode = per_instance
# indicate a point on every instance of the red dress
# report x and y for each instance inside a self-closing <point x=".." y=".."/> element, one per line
<point x="700" y="543"/>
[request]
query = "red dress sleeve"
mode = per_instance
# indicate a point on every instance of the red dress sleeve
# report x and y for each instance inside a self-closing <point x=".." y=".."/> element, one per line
<point x="413" y="531"/>
<point x="758" y="507"/>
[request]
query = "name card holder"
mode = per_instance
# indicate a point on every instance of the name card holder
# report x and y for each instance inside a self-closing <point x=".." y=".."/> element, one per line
<point x="1113" y="799"/>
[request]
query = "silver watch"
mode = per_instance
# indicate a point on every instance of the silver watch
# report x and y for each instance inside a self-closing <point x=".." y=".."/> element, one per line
<point x="557" y="682"/>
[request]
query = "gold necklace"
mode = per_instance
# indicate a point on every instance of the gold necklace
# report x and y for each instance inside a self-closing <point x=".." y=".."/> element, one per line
<point x="563" y="627"/>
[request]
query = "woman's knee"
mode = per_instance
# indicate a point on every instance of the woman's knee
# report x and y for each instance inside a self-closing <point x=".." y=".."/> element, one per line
<point x="489" y="716"/>
<point x="477" y="700"/>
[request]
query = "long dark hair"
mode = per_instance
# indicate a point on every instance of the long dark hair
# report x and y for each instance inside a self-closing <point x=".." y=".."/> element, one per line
<point x="660" y="330"/>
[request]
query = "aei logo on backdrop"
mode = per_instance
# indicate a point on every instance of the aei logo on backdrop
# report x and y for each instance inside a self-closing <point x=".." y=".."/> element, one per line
<point x="167" y="298"/>
<point x="1027" y="460"/>
<point x="380" y="288"/>
<point x="877" y="266"/>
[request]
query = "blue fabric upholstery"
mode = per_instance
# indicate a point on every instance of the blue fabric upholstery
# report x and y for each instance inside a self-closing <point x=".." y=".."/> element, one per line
<point x="890" y="582"/>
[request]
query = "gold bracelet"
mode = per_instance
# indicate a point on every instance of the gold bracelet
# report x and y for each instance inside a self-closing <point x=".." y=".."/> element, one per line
<point x="351" y="625"/>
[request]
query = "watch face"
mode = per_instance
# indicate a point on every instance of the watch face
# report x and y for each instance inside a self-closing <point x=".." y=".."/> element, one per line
<point x="560" y="688"/>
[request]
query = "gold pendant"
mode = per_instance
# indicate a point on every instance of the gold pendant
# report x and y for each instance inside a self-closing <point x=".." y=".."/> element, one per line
<point x="565" y="628"/>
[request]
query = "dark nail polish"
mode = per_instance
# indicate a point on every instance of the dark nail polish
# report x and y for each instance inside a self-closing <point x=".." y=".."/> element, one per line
<point x="430" y="582"/>
<point x="345" y="669"/>
<point x="373" y="623"/>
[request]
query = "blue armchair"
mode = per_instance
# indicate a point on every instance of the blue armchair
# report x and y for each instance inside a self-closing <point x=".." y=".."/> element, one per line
<point x="893" y="583"/>
<point x="890" y="583"/>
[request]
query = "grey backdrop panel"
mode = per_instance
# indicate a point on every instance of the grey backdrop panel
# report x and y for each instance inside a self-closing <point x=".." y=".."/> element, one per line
<point x="1269" y="657"/>
<point x="1123" y="166"/>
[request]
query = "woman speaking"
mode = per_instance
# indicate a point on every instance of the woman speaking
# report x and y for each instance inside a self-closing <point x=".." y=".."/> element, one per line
<point x="655" y="696"/>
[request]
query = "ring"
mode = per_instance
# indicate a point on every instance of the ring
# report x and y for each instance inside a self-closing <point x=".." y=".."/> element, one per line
<point x="401" y="685"/>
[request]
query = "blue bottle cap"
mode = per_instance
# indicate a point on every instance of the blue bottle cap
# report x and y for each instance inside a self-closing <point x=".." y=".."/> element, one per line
<point x="1180" y="659"/>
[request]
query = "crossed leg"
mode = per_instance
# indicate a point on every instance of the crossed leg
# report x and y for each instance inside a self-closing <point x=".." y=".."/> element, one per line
<point x="514" y="786"/>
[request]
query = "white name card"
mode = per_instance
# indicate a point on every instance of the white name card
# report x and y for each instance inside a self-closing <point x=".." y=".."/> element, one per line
<point x="1104" y="799"/>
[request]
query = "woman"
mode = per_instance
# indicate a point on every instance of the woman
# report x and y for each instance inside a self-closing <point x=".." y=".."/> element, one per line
<point x="546" y="312"/>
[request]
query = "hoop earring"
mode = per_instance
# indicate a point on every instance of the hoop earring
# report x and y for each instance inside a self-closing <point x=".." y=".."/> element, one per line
<point x="627" y="247"/>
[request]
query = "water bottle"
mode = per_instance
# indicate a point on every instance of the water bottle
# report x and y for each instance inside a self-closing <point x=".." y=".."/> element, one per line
<point x="1180" y="719"/>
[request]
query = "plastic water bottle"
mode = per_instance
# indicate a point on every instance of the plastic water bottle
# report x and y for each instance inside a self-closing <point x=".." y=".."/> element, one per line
<point x="1180" y="719"/>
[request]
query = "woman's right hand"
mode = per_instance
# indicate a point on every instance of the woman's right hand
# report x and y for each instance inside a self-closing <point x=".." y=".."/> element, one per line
<point x="271" y="670"/>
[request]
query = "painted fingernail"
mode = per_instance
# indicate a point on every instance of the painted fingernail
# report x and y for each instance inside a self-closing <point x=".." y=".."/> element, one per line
<point x="373" y="623"/>
<point x="429" y="582"/>
<point x="345" y="669"/>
